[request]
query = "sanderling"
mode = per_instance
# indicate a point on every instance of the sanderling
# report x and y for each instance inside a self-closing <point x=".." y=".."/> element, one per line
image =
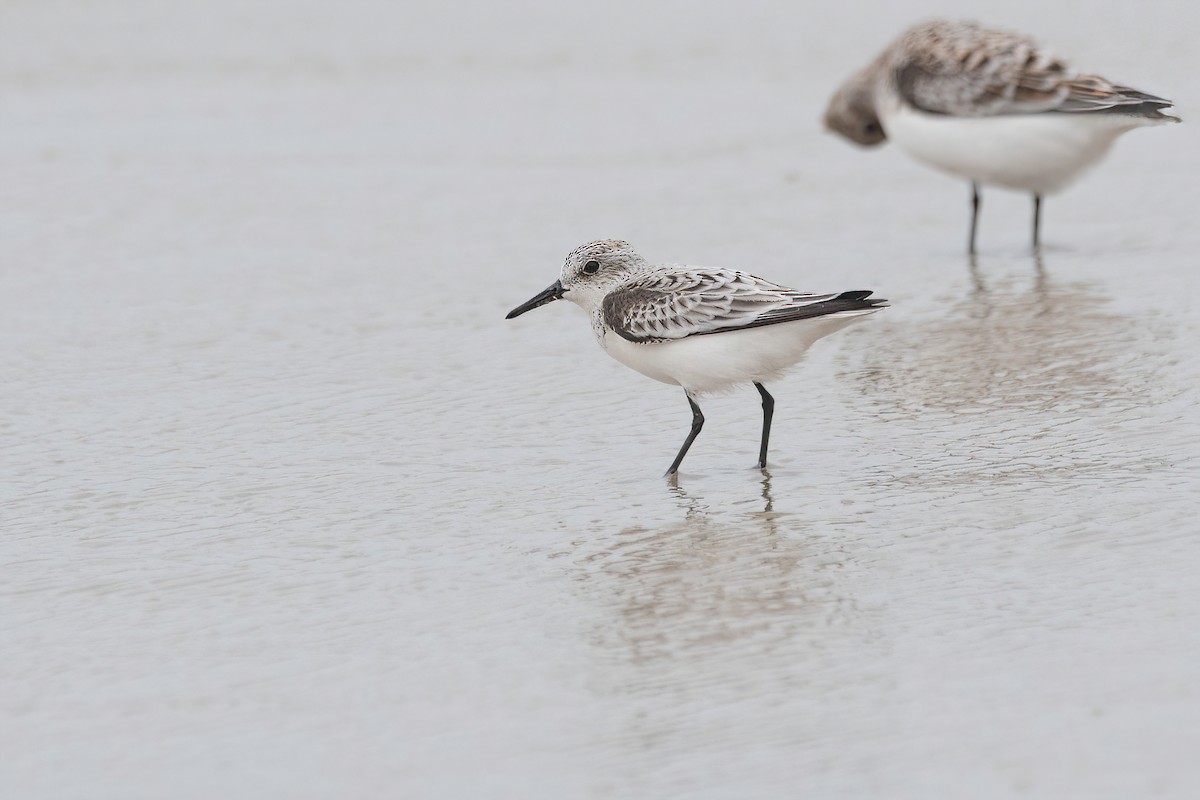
<point x="990" y="106"/>
<point x="701" y="328"/>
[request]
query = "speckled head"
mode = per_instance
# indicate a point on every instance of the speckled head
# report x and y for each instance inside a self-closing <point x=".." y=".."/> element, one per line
<point x="588" y="273"/>
<point x="599" y="264"/>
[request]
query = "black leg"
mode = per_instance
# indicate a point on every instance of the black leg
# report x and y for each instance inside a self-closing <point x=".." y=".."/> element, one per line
<point x="697" y="424"/>
<point x="1037" y="221"/>
<point x="974" y="216"/>
<point x="768" y="412"/>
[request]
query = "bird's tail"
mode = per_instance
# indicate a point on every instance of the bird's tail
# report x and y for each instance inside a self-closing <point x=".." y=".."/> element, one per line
<point x="856" y="301"/>
<point x="1095" y="95"/>
<point x="1141" y="104"/>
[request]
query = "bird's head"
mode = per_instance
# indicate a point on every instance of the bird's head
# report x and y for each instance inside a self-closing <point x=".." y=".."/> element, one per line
<point x="589" y="272"/>
<point x="851" y="111"/>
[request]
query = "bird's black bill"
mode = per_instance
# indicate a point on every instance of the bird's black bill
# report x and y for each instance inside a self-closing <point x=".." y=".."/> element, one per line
<point x="551" y="293"/>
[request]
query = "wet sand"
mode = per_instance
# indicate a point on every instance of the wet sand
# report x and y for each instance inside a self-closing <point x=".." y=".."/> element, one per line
<point x="293" y="512"/>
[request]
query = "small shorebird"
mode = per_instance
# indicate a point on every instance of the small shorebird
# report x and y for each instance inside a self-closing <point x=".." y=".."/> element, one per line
<point x="988" y="105"/>
<point x="701" y="328"/>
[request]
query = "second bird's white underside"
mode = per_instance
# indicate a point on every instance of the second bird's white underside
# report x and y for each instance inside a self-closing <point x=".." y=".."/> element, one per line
<point x="1036" y="153"/>
<point x="713" y="362"/>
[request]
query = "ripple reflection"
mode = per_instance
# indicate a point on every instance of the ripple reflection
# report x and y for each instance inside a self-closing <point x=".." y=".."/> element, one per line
<point x="1044" y="346"/>
<point x="715" y="579"/>
<point x="1023" y="379"/>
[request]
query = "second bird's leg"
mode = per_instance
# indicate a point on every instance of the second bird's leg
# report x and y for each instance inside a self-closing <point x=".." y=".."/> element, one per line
<point x="1037" y="220"/>
<point x="768" y="412"/>
<point x="974" y="216"/>
<point x="697" y="424"/>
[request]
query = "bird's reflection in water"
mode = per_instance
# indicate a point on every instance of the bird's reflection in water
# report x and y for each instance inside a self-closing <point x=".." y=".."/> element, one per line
<point x="722" y="626"/>
<point x="695" y="509"/>
<point x="1024" y="341"/>
<point x="1023" y="379"/>
<point x="729" y="578"/>
<point x="768" y="500"/>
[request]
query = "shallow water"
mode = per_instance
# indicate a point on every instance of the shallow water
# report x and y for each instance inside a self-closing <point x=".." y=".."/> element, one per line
<point x="293" y="512"/>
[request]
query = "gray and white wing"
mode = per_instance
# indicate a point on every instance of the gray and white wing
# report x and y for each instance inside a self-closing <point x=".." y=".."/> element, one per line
<point x="966" y="70"/>
<point x="677" y="304"/>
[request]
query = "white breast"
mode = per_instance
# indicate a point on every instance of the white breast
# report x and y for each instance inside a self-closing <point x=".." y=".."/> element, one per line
<point x="1037" y="153"/>
<point x="718" y="361"/>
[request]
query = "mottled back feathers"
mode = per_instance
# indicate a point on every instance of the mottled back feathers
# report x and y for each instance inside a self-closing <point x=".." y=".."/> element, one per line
<point x="668" y="304"/>
<point x="964" y="69"/>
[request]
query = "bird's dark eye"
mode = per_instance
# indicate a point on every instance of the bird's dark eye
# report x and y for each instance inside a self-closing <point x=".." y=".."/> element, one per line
<point x="591" y="267"/>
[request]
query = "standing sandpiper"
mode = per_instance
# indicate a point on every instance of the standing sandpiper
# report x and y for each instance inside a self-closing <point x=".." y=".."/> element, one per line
<point x="701" y="328"/>
<point x="989" y="106"/>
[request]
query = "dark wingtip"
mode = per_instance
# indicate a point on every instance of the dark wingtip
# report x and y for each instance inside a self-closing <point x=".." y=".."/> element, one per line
<point x="1157" y="111"/>
<point x="862" y="296"/>
<point x="1136" y="103"/>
